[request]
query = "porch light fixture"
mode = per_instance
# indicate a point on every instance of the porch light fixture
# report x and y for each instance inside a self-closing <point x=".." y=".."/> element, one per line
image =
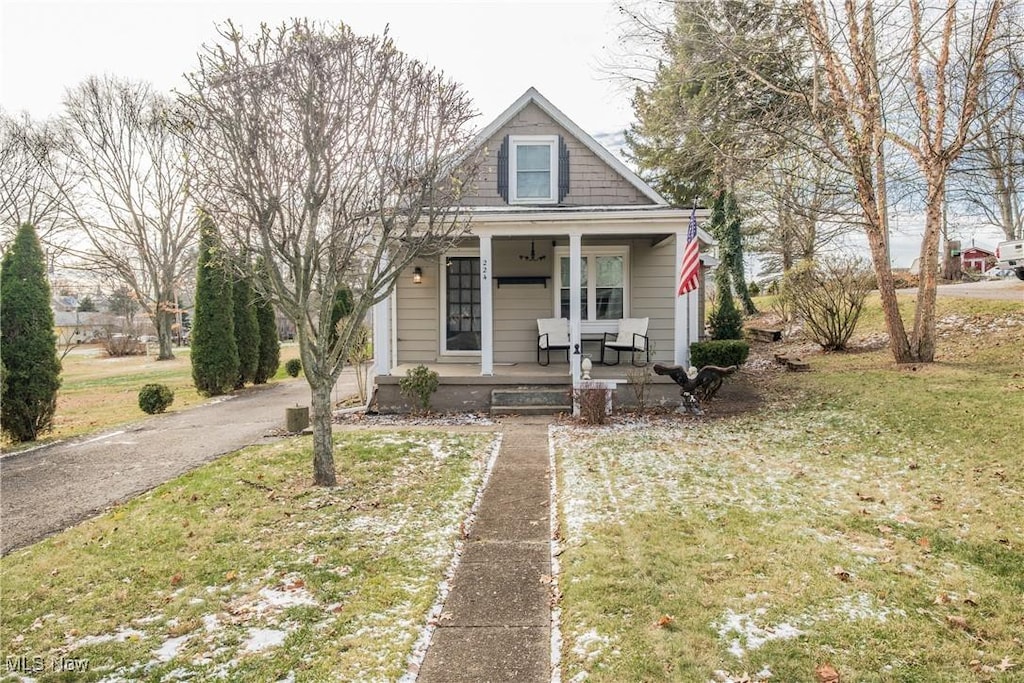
<point x="533" y="255"/>
<point x="417" y="276"/>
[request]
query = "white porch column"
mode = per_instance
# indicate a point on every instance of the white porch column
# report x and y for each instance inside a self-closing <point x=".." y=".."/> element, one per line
<point x="486" y="309"/>
<point x="382" y="336"/>
<point x="575" y="283"/>
<point x="681" y="350"/>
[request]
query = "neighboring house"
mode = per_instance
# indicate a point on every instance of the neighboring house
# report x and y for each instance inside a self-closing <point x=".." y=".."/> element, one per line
<point x="976" y="258"/>
<point x="552" y="207"/>
<point x="73" y="327"/>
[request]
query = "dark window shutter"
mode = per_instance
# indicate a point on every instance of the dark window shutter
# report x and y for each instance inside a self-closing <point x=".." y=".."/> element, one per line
<point x="563" y="168"/>
<point x="503" y="169"/>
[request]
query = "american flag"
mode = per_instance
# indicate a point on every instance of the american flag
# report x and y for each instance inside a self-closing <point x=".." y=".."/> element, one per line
<point x="689" y="275"/>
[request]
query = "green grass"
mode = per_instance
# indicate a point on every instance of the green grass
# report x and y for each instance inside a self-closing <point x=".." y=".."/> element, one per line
<point x="205" y="556"/>
<point x="869" y="517"/>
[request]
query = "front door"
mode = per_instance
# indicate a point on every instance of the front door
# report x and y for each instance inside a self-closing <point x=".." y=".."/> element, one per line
<point x="462" y="304"/>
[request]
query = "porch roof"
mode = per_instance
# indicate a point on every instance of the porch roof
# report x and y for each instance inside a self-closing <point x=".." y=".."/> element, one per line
<point x="587" y="220"/>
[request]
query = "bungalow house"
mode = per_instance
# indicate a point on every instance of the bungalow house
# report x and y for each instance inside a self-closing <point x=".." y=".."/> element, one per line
<point x="562" y="233"/>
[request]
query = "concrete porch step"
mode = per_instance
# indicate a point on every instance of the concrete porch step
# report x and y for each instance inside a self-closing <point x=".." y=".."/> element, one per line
<point x="530" y="401"/>
<point x="529" y="396"/>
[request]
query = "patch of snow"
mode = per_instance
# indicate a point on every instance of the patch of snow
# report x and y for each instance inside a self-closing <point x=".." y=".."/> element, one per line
<point x="750" y="636"/>
<point x="170" y="649"/>
<point x="211" y="623"/>
<point x="277" y="599"/>
<point x="119" y="636"/>
<point x="589" y="645"/>
<point x="262" y="638"/>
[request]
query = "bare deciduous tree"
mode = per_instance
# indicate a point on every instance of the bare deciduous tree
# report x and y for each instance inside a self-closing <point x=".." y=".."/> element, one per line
<point x="859" y="97"/>
<point x="334" y="158"/>
<point x="799" y="208"/>
<point x="989" y="177"/>
<point x="31" y="183"/>
<point x="130" y="194"/>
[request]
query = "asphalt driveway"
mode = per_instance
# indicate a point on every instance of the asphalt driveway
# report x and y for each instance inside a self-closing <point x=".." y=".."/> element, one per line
<point x="47" y="489"/>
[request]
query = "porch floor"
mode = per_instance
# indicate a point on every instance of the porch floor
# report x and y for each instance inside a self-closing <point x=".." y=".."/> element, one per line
<point x="519" y="373"/>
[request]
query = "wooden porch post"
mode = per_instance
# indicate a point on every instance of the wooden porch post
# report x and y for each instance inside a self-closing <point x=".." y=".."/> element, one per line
<point x="575" y="283"/>
<point x="486" y="309"/>
<point x="681" y="350"/>
<point x="382" y="331"/>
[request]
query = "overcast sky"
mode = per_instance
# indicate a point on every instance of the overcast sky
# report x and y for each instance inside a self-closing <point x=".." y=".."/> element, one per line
<point x="496" y="49"/>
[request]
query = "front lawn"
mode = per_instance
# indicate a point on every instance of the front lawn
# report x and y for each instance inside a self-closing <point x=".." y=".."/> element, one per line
<point x="241" y="571"/>
<point x="868" y="521"/>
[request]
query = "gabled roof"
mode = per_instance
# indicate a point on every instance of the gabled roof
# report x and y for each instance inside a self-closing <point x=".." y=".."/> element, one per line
<point x="532" y="95"/>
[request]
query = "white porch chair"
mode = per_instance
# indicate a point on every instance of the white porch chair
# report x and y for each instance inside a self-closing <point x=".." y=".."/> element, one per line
<point x="632" y="337"/>
<point x="553" y="333"/>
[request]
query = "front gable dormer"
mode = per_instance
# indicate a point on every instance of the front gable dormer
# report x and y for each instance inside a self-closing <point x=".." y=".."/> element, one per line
<point x="537" y="157"/>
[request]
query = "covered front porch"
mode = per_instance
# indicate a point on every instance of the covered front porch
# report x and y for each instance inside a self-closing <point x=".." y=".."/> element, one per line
<point x="473" y="313"/>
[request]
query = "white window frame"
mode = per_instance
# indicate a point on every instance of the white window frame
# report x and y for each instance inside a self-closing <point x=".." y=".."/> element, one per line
<point x="513" y="177"/>
<point x="442" y="303"/>
<point x="592" y="325"/>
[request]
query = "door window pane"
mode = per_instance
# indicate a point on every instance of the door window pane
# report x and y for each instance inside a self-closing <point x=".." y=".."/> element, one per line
<point x="463" y="304"/>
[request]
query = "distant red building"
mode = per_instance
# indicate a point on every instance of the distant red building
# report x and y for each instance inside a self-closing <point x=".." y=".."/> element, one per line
<point x="976" y="258"/>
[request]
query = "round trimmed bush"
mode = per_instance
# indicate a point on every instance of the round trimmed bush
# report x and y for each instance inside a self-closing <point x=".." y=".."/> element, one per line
<point x="293" y="367"/>
<point x="155" y="398"/>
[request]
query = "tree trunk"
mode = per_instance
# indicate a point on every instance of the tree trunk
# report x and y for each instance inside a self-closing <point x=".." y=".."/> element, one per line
<point x="164" y="322"/>
<point x="323" y="445"/>
<point x="923" y="338"/>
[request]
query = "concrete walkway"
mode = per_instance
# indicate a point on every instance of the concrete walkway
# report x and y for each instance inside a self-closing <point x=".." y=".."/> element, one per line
<point x="496" y="621"/>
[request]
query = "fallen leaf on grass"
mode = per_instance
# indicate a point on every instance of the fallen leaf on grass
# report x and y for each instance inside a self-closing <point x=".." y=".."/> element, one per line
<point x="885" y="529"/>
<point x="865" y="498"/>
<point x="664" y="621"/>
<point x="826" y="673"/>
<point x="957" y="622"/>
<point x="840" y="573"/>
<point x="176" y="579"/>
<point x="925" y="544"/>
<point x="231" y="575"/>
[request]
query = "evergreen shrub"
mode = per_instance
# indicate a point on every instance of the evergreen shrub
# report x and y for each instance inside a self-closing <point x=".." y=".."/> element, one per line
<point x="155" y="398"/>
<point x="721" y="352"/>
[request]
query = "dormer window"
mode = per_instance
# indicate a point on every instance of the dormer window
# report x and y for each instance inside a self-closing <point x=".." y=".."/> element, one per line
<point x="533" y="169"/>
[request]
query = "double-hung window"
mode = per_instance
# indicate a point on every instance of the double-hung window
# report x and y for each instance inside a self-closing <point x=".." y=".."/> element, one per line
<point x="533" y="169"/>
<point x="604" y="277"/>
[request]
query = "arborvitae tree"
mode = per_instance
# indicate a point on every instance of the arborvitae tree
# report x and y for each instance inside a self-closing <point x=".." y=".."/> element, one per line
<point x="214" y="354"/>
<point x="247" y="332"/>
<point x="726" y="321"/>
<point x="86" y="305"/>
<point x="28" y="346"/>
<point x="270" y="346"/>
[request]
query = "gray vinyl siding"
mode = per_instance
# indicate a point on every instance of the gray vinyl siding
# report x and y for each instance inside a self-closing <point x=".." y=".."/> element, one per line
<point x="592" y="182"/>
<point x="652" y="275"/>
<point x="417" y="315"/>
<point x="652" y="281"/>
